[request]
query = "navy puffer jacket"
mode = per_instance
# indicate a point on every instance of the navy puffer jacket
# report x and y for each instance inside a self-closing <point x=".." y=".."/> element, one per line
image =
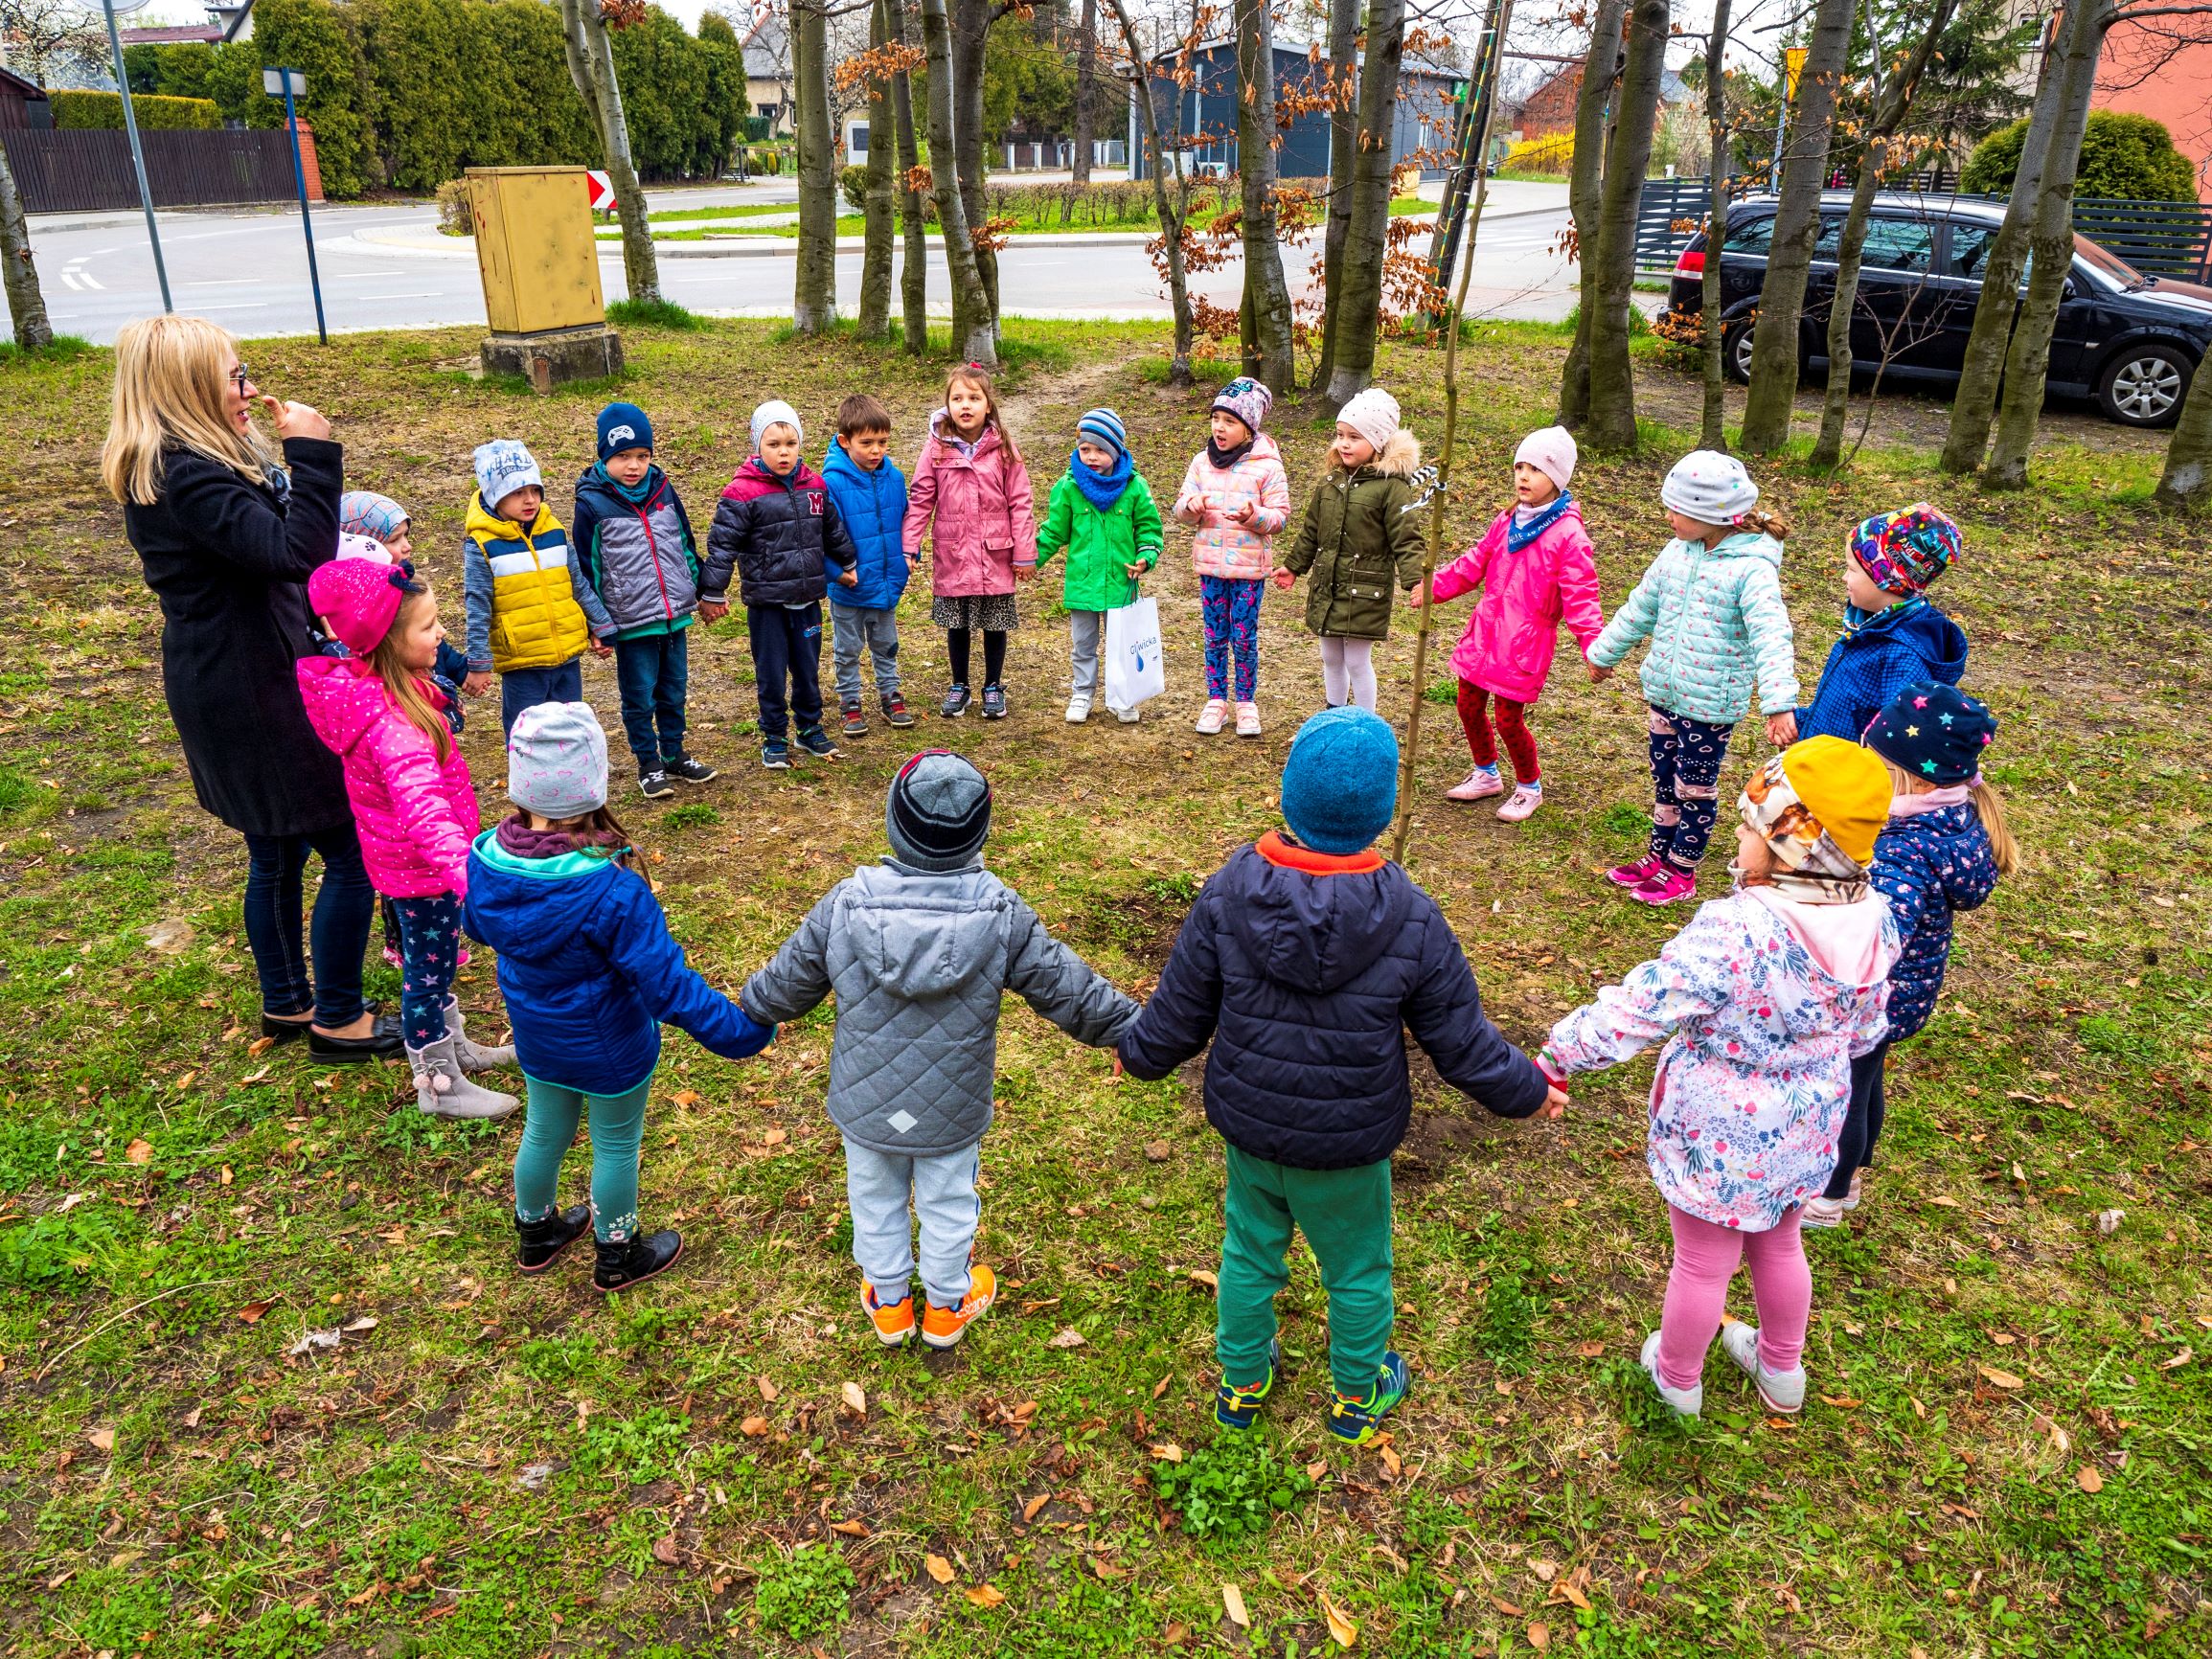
<point x="1305" y="971"/>
<point x="779" y="533"/>
<point x="1928" y="868"/>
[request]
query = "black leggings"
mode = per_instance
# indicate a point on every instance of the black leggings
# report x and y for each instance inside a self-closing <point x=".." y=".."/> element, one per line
<point x="1862" y="1123"/>
<point x="993" y="654"/>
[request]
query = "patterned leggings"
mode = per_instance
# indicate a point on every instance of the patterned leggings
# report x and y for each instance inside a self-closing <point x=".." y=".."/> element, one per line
<point x="1686" y="757"/>
<point x="1512" y="726"/>
<point x="1230" y="607"/>
<point x="430" y="953"/>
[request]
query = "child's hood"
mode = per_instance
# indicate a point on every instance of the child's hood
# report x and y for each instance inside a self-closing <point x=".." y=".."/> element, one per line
<point x="1744" y="544"/>
<point x="593" y="481"/>
<point x="532" y="909"/>
<point x="1400" y="457"/>
<point x="344" y="699"/>
<point x="838" y="460"/>
<point x="921" y="933"/>
<point x="1315" y="933"/>
<point x="1934" y="637"/>
<point x="753" y="480"/>
<point x="1845" y="942"/>
<point x="948" y="442"/>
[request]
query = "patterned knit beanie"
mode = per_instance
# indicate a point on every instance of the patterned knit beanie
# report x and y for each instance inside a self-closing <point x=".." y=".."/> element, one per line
<point x="557" y="761"/>
<point x="1710" y="488"/>
<point x="1934" y="731"/>
<point x="504" y="466"/>
<point x="365" y="513"/>
<point x="1373" y="414"/>
<point x="1906" y="550"/>
<point x="1249" y="401"/>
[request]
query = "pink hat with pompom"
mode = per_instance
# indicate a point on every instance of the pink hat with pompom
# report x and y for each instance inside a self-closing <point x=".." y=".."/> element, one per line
<point x="360" y="599"/>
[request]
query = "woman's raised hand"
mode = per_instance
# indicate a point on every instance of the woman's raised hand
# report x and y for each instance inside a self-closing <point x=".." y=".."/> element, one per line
<point x="295" y="419"/>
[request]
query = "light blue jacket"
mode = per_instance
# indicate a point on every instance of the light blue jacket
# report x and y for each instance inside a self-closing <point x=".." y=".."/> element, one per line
<point x="1717" y="621"/>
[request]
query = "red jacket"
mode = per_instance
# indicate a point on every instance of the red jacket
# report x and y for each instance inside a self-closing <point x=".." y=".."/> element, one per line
<point x="1507" y="648"/>
<point x="984" y="522"/>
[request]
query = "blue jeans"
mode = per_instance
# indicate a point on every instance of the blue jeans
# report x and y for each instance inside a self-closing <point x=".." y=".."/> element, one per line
<point x="787" y="644"/>
<point x="522" y="689"/>
<point x="430" y="953"/>
<point x="276" y="869"/>
<point x="654" y="673"/>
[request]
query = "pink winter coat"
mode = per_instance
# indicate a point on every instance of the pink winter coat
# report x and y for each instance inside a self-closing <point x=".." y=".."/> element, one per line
<point x="416" y="817"/>
<point x="1507" y="648"/>
<point x="985" y="522"/>
<point x="1209" y="492"/>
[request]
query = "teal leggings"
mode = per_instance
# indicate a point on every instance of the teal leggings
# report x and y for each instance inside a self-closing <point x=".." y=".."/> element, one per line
<point x="549" y="1129"/>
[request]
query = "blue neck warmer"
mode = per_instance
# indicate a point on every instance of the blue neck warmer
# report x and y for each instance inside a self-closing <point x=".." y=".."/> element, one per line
<point x="636" y="495"/>
<point x="1101" y="489"/>
<point x="1519" y="536"/>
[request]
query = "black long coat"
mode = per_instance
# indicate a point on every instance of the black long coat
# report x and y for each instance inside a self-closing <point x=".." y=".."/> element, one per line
<point x="230" y="566"/>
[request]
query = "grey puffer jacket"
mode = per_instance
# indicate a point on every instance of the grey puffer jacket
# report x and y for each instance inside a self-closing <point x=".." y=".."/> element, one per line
<point x="919" y="961"/>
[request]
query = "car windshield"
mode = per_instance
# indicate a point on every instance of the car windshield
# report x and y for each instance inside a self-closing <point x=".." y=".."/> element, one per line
<point x="2106" y="264"/>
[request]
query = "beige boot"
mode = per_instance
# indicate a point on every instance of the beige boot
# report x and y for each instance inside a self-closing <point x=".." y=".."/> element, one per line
<point x="443" y="1090"/>
<point x="473" y="1057"/>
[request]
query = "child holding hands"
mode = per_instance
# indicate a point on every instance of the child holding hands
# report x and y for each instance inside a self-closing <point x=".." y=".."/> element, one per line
<point x="526" y="595"/>
<point x="1235" y="493"/>
<point x="1101" y="512"/>
<point x="1892" y="632"/>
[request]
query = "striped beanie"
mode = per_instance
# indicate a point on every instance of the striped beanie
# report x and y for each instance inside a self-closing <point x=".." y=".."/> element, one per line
<point x="939" y="812"/>
<point x="1104" y="426"/>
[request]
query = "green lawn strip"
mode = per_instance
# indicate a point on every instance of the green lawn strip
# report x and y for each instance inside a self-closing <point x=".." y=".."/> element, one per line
<point x="855" y="224"/>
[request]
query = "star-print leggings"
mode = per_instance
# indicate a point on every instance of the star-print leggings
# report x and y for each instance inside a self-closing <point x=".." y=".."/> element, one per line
<point x="1229" y="607"/>
<point x="1686" y="757"/>
<point x="430" y="953"/>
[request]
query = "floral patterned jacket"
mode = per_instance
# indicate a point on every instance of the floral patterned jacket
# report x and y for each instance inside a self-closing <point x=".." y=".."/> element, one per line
<point x="1764" y="1004"/>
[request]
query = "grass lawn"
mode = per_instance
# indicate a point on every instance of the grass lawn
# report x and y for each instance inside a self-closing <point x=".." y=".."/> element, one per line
<point x="2009" y="1450"/>
<point x="850" y="224"/>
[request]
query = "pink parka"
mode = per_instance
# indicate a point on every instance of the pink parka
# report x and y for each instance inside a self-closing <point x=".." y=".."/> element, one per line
<point x="1507" y="648"/>
<point x="985" y="523"/>
<point x="1210" y="493"/>
<point x="415" y="815"/>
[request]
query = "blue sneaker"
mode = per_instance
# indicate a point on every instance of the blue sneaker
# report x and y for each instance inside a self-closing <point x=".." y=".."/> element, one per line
<point x="1356" y="1419"/>
<point x="816" y="742"/>
<point x="1238" y="1406"/>
<point x="776" y="755"/>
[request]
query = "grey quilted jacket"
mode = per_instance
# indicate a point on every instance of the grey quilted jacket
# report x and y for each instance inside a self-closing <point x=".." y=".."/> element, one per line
<point x="917" y="961"/>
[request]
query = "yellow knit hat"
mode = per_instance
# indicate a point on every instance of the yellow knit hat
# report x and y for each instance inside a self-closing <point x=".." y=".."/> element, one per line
<point x="1843" y="786"/>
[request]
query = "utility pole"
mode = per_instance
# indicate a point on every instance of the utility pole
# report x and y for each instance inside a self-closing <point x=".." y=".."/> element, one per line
<point x="291" y="84"/>
<point x="137" y="152"/>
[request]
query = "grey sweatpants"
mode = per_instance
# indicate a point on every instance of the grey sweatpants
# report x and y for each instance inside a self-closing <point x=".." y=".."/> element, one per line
<point x="879" y="1187"/>
<point x="850" y="628"/>
<point x="1085" y="638"/>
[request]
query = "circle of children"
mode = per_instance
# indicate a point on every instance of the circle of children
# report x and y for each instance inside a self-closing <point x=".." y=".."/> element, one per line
<point x="1305" y="957"/>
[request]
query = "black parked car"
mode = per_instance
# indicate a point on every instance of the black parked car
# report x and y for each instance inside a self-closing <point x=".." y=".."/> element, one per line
<point x="2130" y="341"/>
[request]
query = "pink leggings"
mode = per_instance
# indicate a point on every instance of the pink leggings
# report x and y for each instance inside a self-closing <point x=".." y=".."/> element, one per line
<point x="1705" y="1258"/>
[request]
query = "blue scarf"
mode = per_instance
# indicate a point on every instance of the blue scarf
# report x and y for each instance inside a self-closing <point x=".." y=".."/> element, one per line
<point x="1101" y="489"/>
<point x="1519" y="536"/>
<point x="635" y="494"/>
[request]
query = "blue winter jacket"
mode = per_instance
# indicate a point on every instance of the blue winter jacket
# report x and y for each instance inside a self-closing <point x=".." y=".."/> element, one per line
<point x="1876" y="655"/>
<point x="1926" y="867"/>
<point x="874" y="507"/>
<point x="589" y="970"/>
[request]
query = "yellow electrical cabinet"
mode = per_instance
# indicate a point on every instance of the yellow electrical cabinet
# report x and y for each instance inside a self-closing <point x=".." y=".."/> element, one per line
<point x="535" y="247"/>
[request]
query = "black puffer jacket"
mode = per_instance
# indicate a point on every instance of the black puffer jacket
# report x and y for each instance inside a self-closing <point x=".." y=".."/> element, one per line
<point x="1305" y="970"/>
<point x="779" y="533"/>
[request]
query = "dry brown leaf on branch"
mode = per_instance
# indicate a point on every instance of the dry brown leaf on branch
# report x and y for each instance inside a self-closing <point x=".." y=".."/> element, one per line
<point x="1233" y="1604"/>
<point x="939" y="1568"/>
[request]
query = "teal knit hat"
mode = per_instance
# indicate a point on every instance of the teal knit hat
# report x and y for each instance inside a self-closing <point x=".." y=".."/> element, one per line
<point x="1340" y="782"/>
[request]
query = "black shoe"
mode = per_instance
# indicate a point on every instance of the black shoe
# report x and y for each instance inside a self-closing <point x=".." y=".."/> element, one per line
<point x="776" y="755"/>
<point x="955" y="703"/>
<point x="541" y="1242"/>
<point x="856" y="718"/>
<point x="994" y="702"/>
<point x="622" y="1266"/>
<point x="286" y="1031"/>
<point x="655" y="785"/>
<point x="816" y="742"/>
<point x="896" y="712"/>
<point x="383" y="1042"/>
<point x="690" y="769"/>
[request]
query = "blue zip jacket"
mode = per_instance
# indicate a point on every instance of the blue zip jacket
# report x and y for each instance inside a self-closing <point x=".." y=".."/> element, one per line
<point x="1927" y="867"/>
<point x="589" y="969"/>
<point x="1876" y="655"/>
<point x="874" y="507"/>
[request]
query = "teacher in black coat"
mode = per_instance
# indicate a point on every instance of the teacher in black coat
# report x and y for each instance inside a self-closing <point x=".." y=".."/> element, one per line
<point x="228" y="538"/>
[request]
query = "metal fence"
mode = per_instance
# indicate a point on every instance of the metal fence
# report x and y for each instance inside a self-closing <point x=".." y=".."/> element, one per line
<point x="89" y="171"/>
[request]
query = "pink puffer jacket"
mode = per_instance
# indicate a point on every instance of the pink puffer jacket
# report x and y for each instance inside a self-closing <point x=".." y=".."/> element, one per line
<point x="415" y="816"/>
<point x="1507" y="648"/>
<point x="985" y="523"/>
<point x="1210" y="493"/>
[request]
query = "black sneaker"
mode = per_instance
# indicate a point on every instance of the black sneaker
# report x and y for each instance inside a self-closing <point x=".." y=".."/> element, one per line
<point x="955" y="703"/>
<point x="896" y="712"/>
<point x="856" y="718"/>
<point x="776" y="755"/>
<point x="816" y="742"/>
<point x="622" y="1266"/>
<point x="655" y="785"/>
<point x="994" y="702"/>
<point x="690" y="769"/>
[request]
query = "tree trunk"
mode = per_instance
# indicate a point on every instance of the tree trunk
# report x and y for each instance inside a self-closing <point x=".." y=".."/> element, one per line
<point x="1343" y="146"/>
<point x="1167" y="207"/>
<point x="1085" y="93"/>
<point x="914" y="272"/>
<point x="879" y="199"/>
<point x="1611" y="419"/>
<point x="970" y="35"/>
<point x="1895" y="98"/>
<point x="814" y="283"/>
<point x="26" y="300"/>
<point x="2188" y="470"/>
<point x="2050" y="251"/>
<point x="591" y="66"/>
<point x="1367" y="239"/>
<point x="973" y="338"/>
<point x="1267" y="355"/>
<point x="1713" y="432"/>
<point x="1586" y="188"/>
<point x="1775" y="338"/>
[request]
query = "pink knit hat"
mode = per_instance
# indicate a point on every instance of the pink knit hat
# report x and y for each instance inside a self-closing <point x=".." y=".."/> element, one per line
<point x="360" y="599"/>
<point x="1551" y="451"/>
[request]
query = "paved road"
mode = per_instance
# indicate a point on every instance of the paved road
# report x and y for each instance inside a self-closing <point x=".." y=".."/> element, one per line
<point x="384" y="267"/>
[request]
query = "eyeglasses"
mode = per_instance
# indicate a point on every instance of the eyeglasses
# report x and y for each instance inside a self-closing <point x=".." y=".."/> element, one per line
<point x="241" y="379"/>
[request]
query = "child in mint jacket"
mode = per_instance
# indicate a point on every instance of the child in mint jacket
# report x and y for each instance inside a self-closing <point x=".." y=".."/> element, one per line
<point x="1102" y="512"/>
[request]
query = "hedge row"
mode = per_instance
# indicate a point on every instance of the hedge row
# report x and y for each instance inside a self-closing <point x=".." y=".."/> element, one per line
<point x="80" y="111"/>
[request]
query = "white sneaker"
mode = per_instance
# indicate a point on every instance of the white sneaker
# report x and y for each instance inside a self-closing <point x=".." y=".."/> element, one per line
<point x="1078" y="708"/>
<point x="1210" y="721"/>
<point x="1689" y="1401"/>
<point x="1824" y="1212"/>
<point x="1129" y="717"/>
<point x="1782" y="1391"/>
<point x="1247" y="719"/>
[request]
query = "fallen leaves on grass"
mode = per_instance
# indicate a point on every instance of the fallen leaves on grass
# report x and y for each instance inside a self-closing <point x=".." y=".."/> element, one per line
<point x="251" y="1313"/>
<point x="1068" y="1337"/>
<point x="753" y="1427"/>
<point x="1996" y="1379"/>
<point x="1539" y="1636"/>
<point x="101" y="1439"/>
<point x="851" y="1529"/>
<point x="986" y="1595"/>
<point x="139" y="1153"/>
<point x="1034" y="1507"/>
<point x="768" y="1390"/>
<point x="1211" y="1281"/>
<point x="1341" y="1629"/>
<point x="1233" y="1604"/>
<point x="2089" y="1479"/>
<point x="939" y="1568"/>
<point x="855" y="1399"/>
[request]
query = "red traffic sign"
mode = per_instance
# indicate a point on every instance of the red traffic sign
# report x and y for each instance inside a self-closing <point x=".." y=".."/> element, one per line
<point x="598" y="190"/>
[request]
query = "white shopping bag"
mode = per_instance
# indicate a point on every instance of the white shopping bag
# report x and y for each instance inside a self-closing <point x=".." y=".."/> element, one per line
<point x="1133" y="674"/>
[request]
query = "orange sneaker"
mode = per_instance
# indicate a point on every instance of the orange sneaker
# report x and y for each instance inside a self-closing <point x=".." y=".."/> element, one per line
<point x="941" y="1326"/>
<point x="894" y="1323"/>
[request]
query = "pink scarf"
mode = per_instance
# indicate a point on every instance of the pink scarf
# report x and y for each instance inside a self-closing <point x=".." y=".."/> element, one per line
<point x="1934" y="801"/>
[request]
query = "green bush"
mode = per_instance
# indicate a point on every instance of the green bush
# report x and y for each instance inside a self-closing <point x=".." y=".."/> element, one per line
<point x="2126" y="157"/>
<point x="102" y="111"/>
<point x="853" y="182"/>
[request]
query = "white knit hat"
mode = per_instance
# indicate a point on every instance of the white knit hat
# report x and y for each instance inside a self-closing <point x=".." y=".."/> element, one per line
<point x="1551" y="451"/>
<point x="1710" y="488"/>
<point x="1373" y="414"/>
<point x="775" y="412"/>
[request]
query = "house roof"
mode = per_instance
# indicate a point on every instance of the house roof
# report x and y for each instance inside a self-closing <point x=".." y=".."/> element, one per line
<point x="176" y="35"/>
<point x="21" y="85"/>
<point x="767" y="49"/>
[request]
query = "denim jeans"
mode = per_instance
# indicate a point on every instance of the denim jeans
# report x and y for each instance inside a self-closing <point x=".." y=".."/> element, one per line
<point x="522" y="689"/>
<point x="787" y="644"/>
<point x="430" y="953"/>
<point x="654" y="673"/>
<point x="345" y="907"/>
<point x="853" y="627"/>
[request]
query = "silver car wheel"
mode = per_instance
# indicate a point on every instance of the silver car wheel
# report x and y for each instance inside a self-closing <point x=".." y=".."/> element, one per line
<point x="2146" y="389"/>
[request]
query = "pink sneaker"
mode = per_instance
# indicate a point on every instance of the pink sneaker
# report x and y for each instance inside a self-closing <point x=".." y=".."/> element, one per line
<point x="1481" y="783"/>
<point x="1666" y="885"/>
<point x="1635" y="875"/>
<point x="1524" y="802"/>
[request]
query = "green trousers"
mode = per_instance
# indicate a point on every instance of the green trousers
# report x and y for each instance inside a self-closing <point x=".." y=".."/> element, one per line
<point x="549" y="1126"/>
<point x="1345" y="1215"/>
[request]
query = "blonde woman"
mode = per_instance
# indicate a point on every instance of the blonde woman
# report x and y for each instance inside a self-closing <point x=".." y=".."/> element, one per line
<point x="229" y="528"/>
